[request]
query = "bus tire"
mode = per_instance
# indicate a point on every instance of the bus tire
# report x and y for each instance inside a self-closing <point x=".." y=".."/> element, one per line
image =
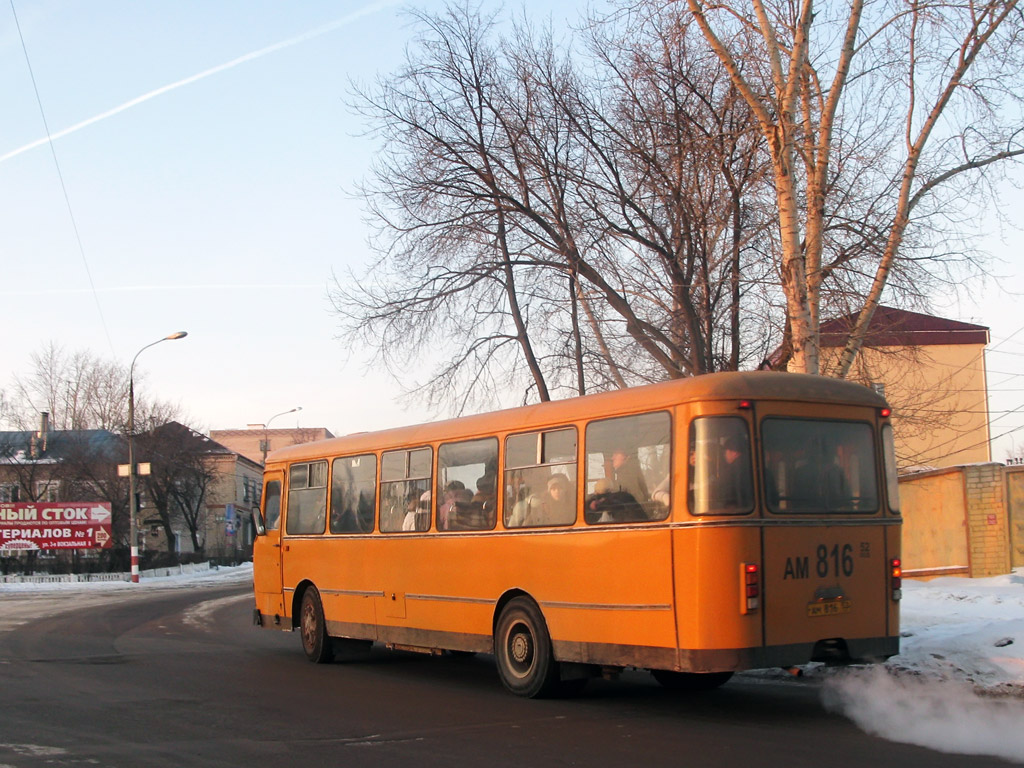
<point x="690" y="681"/>
<point x="313" y="628"/>
<point x="522" y="648"/>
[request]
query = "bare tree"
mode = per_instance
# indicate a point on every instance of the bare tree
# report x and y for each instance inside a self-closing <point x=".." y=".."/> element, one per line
<point x="536" y="224"/>
<point x="79" y="391"/>
<point x="181" y="475"/>
<point x="931" y="90"/>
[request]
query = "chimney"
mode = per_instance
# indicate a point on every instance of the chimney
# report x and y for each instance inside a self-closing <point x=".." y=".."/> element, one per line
<point x="44" y="428"/>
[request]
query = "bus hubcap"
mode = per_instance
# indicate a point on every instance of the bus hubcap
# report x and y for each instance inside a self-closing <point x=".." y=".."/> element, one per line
<point x="520" y="648"/>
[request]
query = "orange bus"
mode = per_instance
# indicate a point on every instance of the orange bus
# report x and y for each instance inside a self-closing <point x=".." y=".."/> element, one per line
<point x="693" y="528"/>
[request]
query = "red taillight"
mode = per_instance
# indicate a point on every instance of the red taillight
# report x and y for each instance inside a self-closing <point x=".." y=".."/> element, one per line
<point x="745" y="405"/>
<point x="896" y="578"/>
<point x="885" y="413"/>
<point x="750" y="599"/>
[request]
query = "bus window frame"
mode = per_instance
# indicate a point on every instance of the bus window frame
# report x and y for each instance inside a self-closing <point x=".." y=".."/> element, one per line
<point x="330" y="497"/>
<point x="889" y="467"/>
<point x="692" y="476"/>
<point x="288" y="511"/>
<point x="584" y="453"/>
<point x="436" y="493"/>
<point x="874" y="465"/>
<point x="540" y="434"/>
<point x="406" y="479"/>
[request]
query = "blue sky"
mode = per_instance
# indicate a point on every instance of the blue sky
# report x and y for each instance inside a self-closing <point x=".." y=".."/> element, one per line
<point x="219" y="205"/>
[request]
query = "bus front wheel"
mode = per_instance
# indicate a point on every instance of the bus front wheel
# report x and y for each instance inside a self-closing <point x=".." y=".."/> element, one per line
<point x="522" y="648"/>
<point x="313" y="628"/>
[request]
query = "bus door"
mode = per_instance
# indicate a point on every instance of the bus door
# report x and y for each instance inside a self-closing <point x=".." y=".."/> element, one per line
<point x="825" y="571"/>
<point x="267" y="550"/>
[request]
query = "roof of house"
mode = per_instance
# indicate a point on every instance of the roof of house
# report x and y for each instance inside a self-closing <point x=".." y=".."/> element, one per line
<point x="200" y="442"/>
<point x="892" y="327"/>
<point x="59" y="445"/>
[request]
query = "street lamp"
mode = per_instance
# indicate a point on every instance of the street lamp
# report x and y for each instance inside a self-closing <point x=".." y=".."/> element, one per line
<point x="132" y="506"/>
<point x="266" y="424"/>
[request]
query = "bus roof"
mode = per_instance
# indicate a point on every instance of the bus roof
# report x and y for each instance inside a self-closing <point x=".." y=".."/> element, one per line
<point x="742" y="385"/>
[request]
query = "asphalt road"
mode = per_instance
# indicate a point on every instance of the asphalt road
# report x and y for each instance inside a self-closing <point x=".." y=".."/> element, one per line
<point x="183" y="679"/>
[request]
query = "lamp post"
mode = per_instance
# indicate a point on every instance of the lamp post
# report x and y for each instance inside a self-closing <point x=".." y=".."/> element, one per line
<point x="132" y="506"/>
<point x="266" y="424"/>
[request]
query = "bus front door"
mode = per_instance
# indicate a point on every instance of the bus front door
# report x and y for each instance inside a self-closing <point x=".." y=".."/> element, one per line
<point x="267" y="581"/>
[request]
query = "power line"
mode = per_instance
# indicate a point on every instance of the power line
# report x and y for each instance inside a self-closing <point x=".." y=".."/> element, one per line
<point x="63" y="186"/>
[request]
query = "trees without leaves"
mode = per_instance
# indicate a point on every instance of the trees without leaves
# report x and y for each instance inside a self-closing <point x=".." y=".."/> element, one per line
<point x="914" y="100"/>
<point x="524" y="206"/>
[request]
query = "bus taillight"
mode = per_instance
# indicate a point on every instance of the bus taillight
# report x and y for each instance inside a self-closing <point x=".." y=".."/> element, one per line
<point x="750" y="598"/>
<point x="896" y="578"/>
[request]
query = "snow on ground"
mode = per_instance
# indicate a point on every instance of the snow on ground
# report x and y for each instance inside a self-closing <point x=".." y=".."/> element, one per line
<point x="957" y="686"/>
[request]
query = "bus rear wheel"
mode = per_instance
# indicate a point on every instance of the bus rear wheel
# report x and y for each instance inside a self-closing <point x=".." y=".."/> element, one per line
<point x="313" y="628"/>
<point x="690" y="681"/>
<point x="522" y="648"/>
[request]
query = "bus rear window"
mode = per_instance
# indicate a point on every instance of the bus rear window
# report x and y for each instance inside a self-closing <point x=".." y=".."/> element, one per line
<point x="815" y="466"/>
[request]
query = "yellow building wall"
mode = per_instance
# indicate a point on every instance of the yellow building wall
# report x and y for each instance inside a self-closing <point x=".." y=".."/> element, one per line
<point x="939" y="398"/>
<point x="934" y="524"/>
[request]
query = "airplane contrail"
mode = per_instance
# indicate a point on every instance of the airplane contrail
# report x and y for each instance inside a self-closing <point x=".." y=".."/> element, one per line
<point x="343" y="21"/>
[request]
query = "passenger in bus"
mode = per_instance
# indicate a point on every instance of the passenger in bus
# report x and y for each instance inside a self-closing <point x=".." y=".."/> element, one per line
<point x="628" y="477"/>
<point x="731" y="488"/>
<point x="485" y="492"/>
<point x="480" y="512"/>
<point x="608" y="505"/>
<point x="559" y="504"/>
<point x="446" y="509"/>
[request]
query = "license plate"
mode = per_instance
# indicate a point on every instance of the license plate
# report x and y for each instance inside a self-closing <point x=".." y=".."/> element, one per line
<point x="829" y="608"/>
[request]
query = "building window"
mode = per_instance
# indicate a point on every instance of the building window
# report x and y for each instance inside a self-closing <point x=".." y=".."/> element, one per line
<point x="47" y="490"/>
<point x="9" y="492"/>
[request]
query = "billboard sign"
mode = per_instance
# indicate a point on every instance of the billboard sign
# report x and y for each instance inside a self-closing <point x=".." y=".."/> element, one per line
<point x="59" y="525"/>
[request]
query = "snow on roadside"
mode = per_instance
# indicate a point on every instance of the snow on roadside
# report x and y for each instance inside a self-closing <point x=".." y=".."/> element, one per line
<point x="23" y="602"/>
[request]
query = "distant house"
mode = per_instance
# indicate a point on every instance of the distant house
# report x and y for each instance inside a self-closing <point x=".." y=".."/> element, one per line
<point x="56" y="466"/>
<point x="204" y="483"/>
<point x="194" y="474"/>
<point x="932" y="372"/>
<point x="254" y="442"/>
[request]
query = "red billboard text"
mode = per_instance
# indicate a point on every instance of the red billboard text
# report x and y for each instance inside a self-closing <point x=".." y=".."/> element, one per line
<point x="61" y="525"/>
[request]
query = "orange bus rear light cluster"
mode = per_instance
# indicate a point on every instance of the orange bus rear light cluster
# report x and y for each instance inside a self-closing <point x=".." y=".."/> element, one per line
<point x="896" y="578"/>
<point x="750" y="579"/>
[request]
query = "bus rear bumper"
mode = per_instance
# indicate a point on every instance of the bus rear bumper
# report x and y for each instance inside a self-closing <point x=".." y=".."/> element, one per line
<point x="830" y="651"/>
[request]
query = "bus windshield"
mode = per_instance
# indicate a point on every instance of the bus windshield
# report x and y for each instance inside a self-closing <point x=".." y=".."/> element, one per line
<point x="813" y="466"/>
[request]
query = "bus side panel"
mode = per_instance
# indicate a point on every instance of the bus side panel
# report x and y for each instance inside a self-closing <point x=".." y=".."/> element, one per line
<point x="442" y="590"/>
<point x="618" y="606"/>
<point x="713" y="628"/>
<point x="824" y="582"/>
<point x="337" y="567"/>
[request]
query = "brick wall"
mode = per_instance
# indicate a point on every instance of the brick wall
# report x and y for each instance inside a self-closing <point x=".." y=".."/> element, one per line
<point x="956" y="514"/>
<point x="987" y="522"/>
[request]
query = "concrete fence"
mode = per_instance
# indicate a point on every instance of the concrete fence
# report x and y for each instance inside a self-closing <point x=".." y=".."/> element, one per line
<point x="963" y="521"/>
<point x="150" y="573"/>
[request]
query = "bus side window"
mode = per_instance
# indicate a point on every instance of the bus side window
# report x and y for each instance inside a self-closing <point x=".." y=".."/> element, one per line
<point x="353" y="494"/>
<point x="721" y="476"/>
<point x="628" y="469"/>
<point x="272" y="505"/>
<point x="405" y="490"/>
<point x="307" y="498"/>
<point x="466" y="485"/>
<point x="540" y="479"/>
